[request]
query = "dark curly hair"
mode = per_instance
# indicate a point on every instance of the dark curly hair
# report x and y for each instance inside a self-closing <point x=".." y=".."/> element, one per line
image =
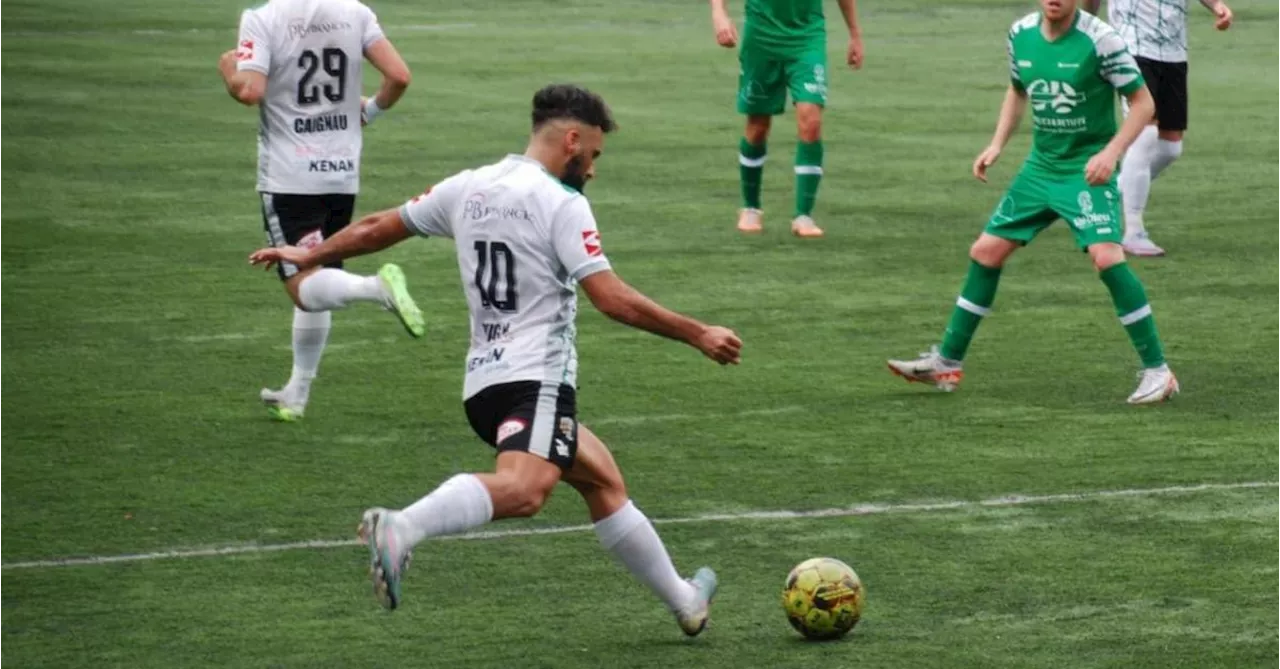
<point x="566" y="101"/>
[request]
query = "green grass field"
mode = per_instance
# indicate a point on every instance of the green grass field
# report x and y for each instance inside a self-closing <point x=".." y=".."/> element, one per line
<point x="136" y="337"/>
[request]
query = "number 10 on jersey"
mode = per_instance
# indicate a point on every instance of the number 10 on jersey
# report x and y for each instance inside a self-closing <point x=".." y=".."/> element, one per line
<point x="496" y="275"/>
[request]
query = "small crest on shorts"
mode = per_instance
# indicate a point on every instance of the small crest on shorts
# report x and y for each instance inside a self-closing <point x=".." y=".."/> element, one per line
<point x="510" y="428"/>
<point x="567" y="427"/>
<point x="1086" y="202"/>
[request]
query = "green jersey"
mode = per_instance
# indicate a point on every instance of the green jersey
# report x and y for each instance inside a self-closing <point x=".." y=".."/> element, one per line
<point x="1071" y="84"/>
<point x="784" y="27"/>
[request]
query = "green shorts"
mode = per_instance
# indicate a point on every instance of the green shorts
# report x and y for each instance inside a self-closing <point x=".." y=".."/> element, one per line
<point x="765" y="80"/>
<point x="1035" y="201"/>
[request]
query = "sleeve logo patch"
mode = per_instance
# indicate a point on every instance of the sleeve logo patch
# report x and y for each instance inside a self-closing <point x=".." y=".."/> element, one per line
<point x="245" y="52"/>
<point x="591" y="242"/>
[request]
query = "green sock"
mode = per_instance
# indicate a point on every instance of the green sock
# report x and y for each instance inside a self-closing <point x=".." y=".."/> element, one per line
<point x="1134" y="311"/>
<point x="808" y="175"/>
<point x="750" y="171"/>
<point x="975" y="300"/>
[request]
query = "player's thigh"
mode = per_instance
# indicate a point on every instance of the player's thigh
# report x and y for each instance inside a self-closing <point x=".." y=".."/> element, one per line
<point x="807" y="77"/>
<point x="1093" y="212"/>
<point x="1023" y="212"/>
<point x="293" y="220"/>
<point x="1171" y="98"/>
<point x="761" y="84"/>
<point x="341" y="207"/>
<point x="528" y="416"/>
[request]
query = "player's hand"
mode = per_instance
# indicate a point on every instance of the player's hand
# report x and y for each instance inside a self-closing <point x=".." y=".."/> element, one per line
<point x="854" y="55"/>
<point x="986" y="159"/>
<point x="227" y="61"/>
<point x="1100" y="168"/>
<point x="272" y="256"/>
<point x="726" y="32"/>
<point x="1223" y="16"/>
<point x="364" y="117"/>
<point x="720" y="344"/>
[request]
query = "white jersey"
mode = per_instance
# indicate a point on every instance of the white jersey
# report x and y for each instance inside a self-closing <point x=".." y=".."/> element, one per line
<point x="312" y="52"/>
<point x="523" y="240"/>
<point x="1154" y="29"/>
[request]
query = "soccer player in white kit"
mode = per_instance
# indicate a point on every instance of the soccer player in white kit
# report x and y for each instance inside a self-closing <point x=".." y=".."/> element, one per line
<point x="525" y="236"/>
<point x="300" y="62"/>
<point x="1156" y="33"/>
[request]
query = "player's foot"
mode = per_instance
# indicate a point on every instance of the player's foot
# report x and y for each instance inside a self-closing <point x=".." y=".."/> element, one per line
<point x="282" y="405"/>
<point x="804" y="227"/>
<point x="399" y="302"/>
<point x="1157" y="384"/>
<point x="694" y="620"/>
<point x="751" y="221"/>
<point x="1140" y="244"/>
<point x="388" y="554"/>
<point x="930" y="367"/>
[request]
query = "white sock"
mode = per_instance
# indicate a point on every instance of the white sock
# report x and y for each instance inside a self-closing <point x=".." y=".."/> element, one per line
<point x="1166" y="152"/>
<point x="630" y="536"/>
<point x="1135" y="179"/>
<point x="329" y="288"/>
<point x="459" y="504"/>
<point x="310" y="332"/>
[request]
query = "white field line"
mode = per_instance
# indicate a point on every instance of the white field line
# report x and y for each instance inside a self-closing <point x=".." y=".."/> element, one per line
<point x="231" y="30"/>
<point x="843" y="512"/>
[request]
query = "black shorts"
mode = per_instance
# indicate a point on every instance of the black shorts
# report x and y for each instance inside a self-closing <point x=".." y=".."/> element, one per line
<point x="1168" y="85"/>
<point x="531" y="416"/>
<point x="304" y="220"/>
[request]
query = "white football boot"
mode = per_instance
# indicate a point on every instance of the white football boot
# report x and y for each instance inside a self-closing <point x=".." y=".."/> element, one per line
<point x="283" y="405"/>
<point x="930" y="367"/>
<point x="750" y="221"/>
<point x="805" y="228"/>
<point x="1156" y="384"/>
<point x="389" y="554"/>
<point x="694" y="619"/>
<point x="1140" y="244"/>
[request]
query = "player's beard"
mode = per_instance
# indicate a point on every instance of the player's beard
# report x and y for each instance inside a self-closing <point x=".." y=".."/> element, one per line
<point x="574" y="176"/>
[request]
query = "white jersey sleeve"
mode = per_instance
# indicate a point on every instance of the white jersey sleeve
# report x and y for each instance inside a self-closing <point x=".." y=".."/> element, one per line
<point x="431" y="214"/>
<point x="372" y="29"/>
<point x="253" y="51"/>
<point x="576" y="239"/>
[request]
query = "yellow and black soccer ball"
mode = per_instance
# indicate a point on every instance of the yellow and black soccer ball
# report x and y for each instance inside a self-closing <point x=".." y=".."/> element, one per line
<point x="823" y="598"/>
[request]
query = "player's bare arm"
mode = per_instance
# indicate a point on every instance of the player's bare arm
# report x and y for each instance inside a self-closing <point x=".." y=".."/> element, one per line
<point x="384" y="57"/>
<point x="246" y="87"/>
<point x="1221" y="12"/>
<point x="619" y="301"/>
<point x="853" y="55"/>
<point x="1011" y="111"/>
<point x="726" y="32"/>
<point x="370" y="234"/>
<point x="1142" y="110"/>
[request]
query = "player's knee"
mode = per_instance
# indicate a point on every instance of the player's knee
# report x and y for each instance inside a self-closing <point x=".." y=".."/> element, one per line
<point x="991" y="251"/>
<point x="1106" y="255"/>
<point x="526" y="498"/>
<point x="1171" y="136"/>
<point x="757" y="130"/>
<point x="810" y="128"/>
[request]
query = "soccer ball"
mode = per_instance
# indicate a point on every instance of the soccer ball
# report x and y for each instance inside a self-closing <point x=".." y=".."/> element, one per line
<point x="823" y="598"/>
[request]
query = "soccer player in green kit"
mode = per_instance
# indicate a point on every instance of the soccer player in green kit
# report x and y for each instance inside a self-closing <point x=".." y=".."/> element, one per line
<point x="1069" y="65"/>
<point x="784" y="50"/>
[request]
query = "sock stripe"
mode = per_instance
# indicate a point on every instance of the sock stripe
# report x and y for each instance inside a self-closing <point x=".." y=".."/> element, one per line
<point x="1136" y="315"/>
<point x="750" y="162"/>
<point x="808" y="169"/>
<point x="977" y="309"/>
